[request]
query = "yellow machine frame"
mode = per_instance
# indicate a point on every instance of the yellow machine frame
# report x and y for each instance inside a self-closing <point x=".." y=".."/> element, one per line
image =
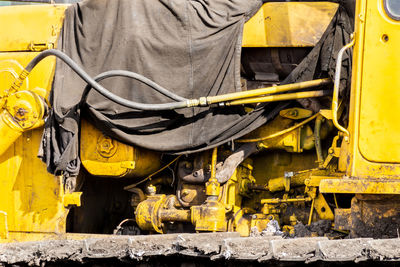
<point x="33" y="204"/>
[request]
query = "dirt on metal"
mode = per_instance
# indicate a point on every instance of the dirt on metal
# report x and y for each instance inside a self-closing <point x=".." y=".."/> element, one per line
<point x="217" y="248"/>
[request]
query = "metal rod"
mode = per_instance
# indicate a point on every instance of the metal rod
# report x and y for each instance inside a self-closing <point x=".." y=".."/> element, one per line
<point x="317" y="136"/>
<point x="290" y="200"/>
<point x="268" y="90"/>
<point x="334" y="197"/>
<point x="257" y="187"/>
<point x="311" y="212"/>
<point x="278" y="133"/>
<point x="336" y="85"/>
<point x="281" y="97"/>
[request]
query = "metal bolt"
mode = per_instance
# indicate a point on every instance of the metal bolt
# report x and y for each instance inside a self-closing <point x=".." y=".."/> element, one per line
<point x="151" y="190"/>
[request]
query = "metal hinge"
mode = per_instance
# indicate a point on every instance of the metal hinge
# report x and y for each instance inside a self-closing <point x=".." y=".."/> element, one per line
<point x="37" y="47"/>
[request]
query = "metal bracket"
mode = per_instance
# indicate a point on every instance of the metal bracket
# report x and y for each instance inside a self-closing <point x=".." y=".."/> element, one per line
<point x="72" y="199"/>
<point x="37" y="47"/>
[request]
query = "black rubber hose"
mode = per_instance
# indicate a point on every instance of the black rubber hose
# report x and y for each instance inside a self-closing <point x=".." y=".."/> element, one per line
<point x="138" y="77"/>
<point x="133" y="75"/>
<point x="103" y="91"/>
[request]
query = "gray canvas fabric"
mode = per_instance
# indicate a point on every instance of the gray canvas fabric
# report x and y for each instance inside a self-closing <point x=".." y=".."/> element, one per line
<point x="191" y="47"/>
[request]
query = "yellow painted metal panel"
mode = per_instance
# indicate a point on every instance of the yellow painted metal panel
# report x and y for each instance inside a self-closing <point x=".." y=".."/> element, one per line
<point x="31" y="197"/>
<point x="25" y="27"/>
<point x="290" y="24"/>
<point x="360" y="186"/>
<point x="355" y="164"/>
<point x="379" y="139"/>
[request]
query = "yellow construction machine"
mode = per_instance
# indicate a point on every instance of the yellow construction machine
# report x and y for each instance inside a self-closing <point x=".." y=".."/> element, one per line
<point x="331" y="171"/>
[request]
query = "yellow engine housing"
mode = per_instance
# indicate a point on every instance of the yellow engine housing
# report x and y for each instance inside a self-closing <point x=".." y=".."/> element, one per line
<point x="106" y="157"/>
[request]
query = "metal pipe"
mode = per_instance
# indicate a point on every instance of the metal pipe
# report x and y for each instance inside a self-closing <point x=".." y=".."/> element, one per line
<point x="212" y="186"/>
<point x="336" y="85"/>
<point x="317" y="136"/>
<point x="267" y="90"/>
<point x="289" y="200"/>
<point x="175" y="215"/>
<point x="311" y="212"/>
<point x="214" y="164"/>
<point x="257" y="187"/>
<point x="278" y="133"/>
<point x="281" y="97"/>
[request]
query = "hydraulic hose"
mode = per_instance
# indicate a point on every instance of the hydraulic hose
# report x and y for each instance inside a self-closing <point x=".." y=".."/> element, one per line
<point x="226" y="99"/>
<point x="136" y="76"/>
<point x="103" y="91"/>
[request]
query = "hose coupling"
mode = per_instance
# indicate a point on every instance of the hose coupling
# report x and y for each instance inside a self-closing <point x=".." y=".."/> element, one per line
<point x="18" y="82"/>
<point x="192" y="103"/>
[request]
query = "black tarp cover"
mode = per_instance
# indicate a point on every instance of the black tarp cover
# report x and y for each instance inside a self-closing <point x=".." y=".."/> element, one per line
<point x="191" y="47"/>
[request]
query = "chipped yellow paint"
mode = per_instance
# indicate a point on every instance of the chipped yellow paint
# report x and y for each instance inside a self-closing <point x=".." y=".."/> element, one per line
<point x="32" y="202"/>
<point x="374" y="148"/>
<point x="31" y="198"/>
<point x="379" y="139"/>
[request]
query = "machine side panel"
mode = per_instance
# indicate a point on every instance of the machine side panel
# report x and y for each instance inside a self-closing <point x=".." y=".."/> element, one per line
<point x="379" y="139"/>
